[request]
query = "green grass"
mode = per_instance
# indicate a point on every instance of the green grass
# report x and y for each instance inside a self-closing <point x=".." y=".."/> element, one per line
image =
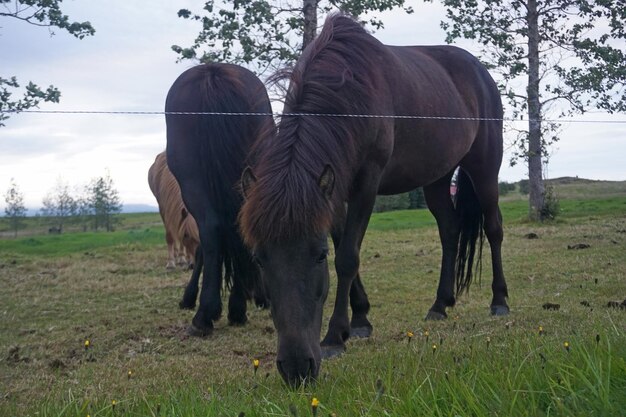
<point x="68" y="243"/>
<point x="112" y="288"/>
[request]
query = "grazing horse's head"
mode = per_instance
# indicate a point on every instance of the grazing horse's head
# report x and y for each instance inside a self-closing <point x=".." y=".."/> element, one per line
<point x="291" y="255"/>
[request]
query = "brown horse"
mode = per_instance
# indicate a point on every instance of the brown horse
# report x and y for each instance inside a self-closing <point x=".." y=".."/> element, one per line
<point x="181" y="230"/>
<point x="207" y="154"/>
<point x="298" y="185"/>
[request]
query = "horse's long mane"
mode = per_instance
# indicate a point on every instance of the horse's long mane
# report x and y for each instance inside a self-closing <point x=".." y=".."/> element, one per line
<point x="338" y="73"/>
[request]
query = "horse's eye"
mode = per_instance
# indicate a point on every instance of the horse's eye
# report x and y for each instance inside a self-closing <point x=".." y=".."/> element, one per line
<point x="322" y="257"/>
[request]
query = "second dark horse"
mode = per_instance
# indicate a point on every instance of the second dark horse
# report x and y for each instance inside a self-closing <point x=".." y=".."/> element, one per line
<point x="207" y="153"/>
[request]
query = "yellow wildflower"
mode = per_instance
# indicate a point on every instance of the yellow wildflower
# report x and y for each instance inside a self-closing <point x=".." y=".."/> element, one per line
<point x="314" y="404"/>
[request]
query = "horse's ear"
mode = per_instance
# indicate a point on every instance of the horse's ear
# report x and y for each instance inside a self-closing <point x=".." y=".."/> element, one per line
<point x="247" y="181"/>
<point x="327" y="181"/>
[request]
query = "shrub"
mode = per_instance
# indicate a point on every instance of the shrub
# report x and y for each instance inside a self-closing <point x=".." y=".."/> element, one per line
<point x="551" y="206"/>
<point x="505" y="187"/>
<point x="524" y="187"/>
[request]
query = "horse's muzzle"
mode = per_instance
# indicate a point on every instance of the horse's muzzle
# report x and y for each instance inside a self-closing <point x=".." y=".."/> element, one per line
<point x="297" y="372"/>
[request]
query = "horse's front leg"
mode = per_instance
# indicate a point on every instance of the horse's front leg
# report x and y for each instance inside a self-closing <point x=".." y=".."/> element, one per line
<point x="359" y="302"/>
<point x="360" y="208"/>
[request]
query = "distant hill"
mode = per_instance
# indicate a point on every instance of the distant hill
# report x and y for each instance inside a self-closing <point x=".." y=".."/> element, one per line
<point x="574" y="187"/>
<point x="571" y="187"/>
<point x="139" y="208"/>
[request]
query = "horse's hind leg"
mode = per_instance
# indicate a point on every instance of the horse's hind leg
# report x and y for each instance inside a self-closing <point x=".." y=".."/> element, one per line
<point x="486" y="188"/>
<point x="440" y="204"/>
<point x="483" y="167"/>
<point x="210" y="308"/>
<point x="360" y="305"/>
<point x="171" y="251"/>
<point x="237" y="303"/>
<point x="191" y="291"/>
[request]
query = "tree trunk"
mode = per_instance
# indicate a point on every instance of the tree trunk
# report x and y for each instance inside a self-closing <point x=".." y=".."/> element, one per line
<point x="535" y="176"/>
<point x="309" y="10"/>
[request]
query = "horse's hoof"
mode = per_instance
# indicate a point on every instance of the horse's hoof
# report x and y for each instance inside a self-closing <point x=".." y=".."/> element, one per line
<point x="500" y="310"/>
<point x="332" y="351"/>
<point x="360" y="332"/>
<point x="435" y="315"/>
<point x="196" y="331"/>
<point x="186" y="306"/>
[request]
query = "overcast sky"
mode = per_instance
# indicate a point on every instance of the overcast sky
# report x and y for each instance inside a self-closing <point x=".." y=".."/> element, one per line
<point x="128" y="66"/>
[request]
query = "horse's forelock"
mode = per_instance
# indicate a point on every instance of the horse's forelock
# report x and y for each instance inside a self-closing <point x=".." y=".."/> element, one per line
<point x="284" y="205"/>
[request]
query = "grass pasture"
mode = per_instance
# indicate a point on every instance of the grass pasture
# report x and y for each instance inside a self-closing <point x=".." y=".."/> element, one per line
<point x="113" y="290"/>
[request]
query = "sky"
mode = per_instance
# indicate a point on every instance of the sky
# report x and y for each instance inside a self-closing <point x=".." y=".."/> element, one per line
<point x="129" y="66"/>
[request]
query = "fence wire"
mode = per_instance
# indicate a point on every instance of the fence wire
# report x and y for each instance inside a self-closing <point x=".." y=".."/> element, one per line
<point x="333" y="115"/>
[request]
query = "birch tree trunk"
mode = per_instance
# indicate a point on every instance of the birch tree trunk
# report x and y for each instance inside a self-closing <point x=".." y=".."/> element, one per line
<point x="309" y="10"/>
<point x="535" y="176"/>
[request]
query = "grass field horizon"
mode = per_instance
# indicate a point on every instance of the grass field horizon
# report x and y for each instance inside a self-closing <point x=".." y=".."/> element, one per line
<point x="112" y="289"/>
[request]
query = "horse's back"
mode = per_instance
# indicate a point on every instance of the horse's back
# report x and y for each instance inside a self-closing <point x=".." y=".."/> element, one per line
<point x="207" y="152"/>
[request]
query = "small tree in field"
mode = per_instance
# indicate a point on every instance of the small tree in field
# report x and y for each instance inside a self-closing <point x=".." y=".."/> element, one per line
<point x="59" y="205"/>
<point x="104" y="202"/>
<point x="15" y="211"/>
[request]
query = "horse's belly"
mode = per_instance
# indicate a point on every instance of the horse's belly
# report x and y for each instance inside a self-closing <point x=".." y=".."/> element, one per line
<point x="420" y="162"/>
<point x="398" y="179"/>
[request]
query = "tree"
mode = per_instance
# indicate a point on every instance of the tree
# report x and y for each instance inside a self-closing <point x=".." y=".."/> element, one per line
<point x="417" y="199"/>
<point x="14" y="210"/>
<point x="59" y="205"/>
<point x="505" y="187"/>
<point x="104" y="202"/>
<point x="84" y="211"/>
<point x="44" y="13"/>
<point x="267" y="35"/>
<point x="568" y="54"/>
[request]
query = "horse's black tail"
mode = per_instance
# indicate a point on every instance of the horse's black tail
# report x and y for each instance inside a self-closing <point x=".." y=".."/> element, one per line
<point x="472" y="232"/>
<point x="226" y="142"/>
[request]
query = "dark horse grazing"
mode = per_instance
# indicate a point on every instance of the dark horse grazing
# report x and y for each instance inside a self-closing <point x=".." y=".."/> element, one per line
<point x="206" y="154"/>
<point x="296" y="189"/>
